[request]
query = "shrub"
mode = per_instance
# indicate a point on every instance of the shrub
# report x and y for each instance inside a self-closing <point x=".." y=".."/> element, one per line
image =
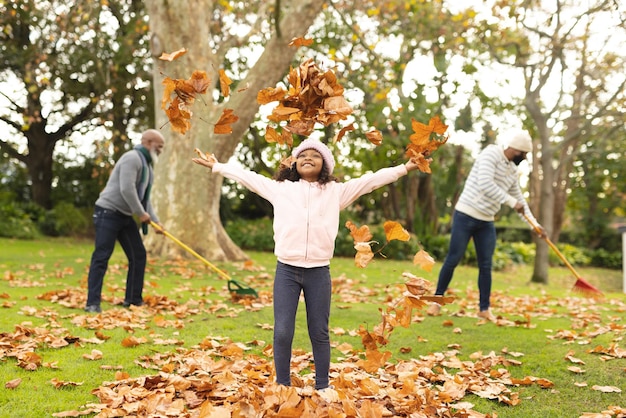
<point x="252" y="234"/>
<point x="64" y="220"/>
<point x="15" y="222"/>
<point x="574" y="255"/>
<point x="605" y="259"/>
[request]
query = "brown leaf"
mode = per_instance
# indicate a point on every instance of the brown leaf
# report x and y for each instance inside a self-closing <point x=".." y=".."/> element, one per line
<point x="173" y="55"/>
<point x="225" y="83"/>
<point x="178" y="107"/>
<point x="374" y="136"/>
<point x="270" y="94"/>
<point x="363" y="255"/>
<point x="344" y="130"/>
<point x="12" y="384"/>
<point x="223" y="124"/>
<point x="301" y="42"/>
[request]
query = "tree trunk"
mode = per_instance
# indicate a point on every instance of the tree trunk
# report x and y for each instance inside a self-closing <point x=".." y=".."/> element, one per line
<point x="546" y="201"/>
<point x="186" y="196"/>
<point x="39" y="163"/>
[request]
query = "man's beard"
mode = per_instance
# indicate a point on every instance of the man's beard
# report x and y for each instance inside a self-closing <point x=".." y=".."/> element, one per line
<point x="518" y="159"/>
<point x="154" y="156"/>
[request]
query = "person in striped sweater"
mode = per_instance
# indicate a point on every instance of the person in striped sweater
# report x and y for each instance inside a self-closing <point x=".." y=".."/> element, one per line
<point x="492" y="182"/>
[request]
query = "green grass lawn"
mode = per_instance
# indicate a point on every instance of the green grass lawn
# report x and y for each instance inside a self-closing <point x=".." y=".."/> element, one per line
<point x="547" y="329"/>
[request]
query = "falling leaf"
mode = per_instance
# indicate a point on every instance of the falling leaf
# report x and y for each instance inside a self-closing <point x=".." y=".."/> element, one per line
<point x="178" y="107"/>
<point x="361" y="234"/>
<point x="422" y="142"/>
<point x="313" y="96"/>
<point x="223" y="124"/>
<point x="423" y="132"/>
<point x="363" y="255"/>
<point x="270" y="94"/>
<point x="301" y="42"/>
<point x="417" y="285"/>
<point x="374" y="136"/>
<point x="225" y="83"/>
<point x="282" y="138"/>
<point x="395" y="231"/>
<point x="424" y="260"/>
<point x="343" y="131"/>
<point x="173" y="55"/>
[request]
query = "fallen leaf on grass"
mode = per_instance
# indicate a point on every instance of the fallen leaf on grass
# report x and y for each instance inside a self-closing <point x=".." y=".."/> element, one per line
<point x="60" y="383"/>
<point x="12" y="384"/>
<point x="606" y="389"/>
<point x="95" y="355"/>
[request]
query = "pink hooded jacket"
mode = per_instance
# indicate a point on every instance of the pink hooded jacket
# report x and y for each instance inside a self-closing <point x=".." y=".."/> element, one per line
<point x="306" y="215"/>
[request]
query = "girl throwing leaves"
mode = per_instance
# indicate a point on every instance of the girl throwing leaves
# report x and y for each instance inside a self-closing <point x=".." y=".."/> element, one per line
<point x="307" y="200"/>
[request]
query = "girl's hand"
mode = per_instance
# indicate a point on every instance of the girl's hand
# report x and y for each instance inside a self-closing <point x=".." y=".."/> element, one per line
<point x="206" y="159"/>
<point x="411" y="165"/>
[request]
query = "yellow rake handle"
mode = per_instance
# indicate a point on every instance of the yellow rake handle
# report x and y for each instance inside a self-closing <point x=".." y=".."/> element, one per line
<point x="198" y="256"/>
<point x="551" y="244"/>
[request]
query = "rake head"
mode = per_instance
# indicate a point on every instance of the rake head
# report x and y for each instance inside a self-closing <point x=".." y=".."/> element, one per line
<point x="587" y="288"/>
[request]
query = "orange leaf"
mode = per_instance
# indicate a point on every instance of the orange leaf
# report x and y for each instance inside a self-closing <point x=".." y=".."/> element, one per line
<point x="424" y="260"/>
<point x="223" y="124"/>
<point x="173" y="55"/>
<point x="301" y="42"/>
<point x="343" y="131"/>
<point x="225" y="83"/>
<point x="361" y="234"/>
<point x="374" y="136"/>
<point x="393" y="231"/>
<point x="423" y="132"/>
<point x="423" y="163"/>
<point x="270" y="94"/>
<point x="272" y="136"/>
<point x="178" y="108"/>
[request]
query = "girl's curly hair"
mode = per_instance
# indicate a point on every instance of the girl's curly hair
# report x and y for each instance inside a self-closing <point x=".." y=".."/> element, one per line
<point x="291" y="174"/>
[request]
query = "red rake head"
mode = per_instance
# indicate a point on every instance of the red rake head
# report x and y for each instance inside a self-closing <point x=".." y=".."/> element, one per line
<point x="587" y="288"/>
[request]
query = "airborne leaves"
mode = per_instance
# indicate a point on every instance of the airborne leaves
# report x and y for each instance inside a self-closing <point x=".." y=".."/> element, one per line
<point x="313" y="96"/>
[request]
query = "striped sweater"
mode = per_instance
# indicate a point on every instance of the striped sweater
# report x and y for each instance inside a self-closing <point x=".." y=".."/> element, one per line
<point x="493" y="181"/>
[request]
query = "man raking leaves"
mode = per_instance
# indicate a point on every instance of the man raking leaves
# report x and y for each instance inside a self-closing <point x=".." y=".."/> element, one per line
<point x="492" y="182"/>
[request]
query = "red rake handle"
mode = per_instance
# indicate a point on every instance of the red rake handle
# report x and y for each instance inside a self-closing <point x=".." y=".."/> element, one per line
<point x="198" y="256"/>
<point x="551" y="244"/>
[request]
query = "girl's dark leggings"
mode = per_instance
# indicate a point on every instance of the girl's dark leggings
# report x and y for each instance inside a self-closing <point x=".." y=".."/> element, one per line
<point x="315" y="284"/>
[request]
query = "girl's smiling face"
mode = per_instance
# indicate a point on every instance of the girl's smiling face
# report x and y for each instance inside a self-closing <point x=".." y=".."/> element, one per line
<point x="309" y="165"/>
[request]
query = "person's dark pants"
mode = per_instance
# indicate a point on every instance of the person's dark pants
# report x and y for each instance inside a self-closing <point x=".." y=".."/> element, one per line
<point x="316" y="284"/>
<point x="112" y="226"/>
<point x="483" y="233"/>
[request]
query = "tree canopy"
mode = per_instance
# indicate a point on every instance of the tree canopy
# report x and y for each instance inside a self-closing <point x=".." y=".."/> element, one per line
<point x="552" y="68"/>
